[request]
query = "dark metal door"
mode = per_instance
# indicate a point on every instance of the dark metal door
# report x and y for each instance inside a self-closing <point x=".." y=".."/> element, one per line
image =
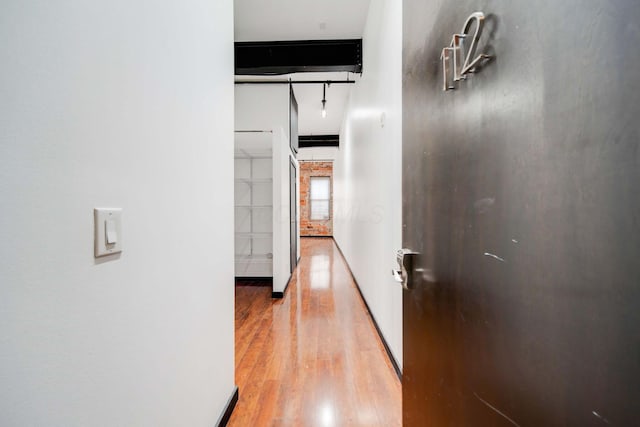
<point x="293" y="216"/>
<point x="521" y="194"/>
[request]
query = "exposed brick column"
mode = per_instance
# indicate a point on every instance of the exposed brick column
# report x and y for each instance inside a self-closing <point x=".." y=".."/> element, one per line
<point x="307" y="226"/>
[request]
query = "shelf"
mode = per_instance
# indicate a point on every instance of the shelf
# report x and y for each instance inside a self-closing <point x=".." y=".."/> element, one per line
<point x="253" y="266"/>
<point x="253" y="187"/>
<point x="254" y="181"/>
<point x="264" y="235"/>
<point x="257" y="258"/>
<point x="257" y="156"/>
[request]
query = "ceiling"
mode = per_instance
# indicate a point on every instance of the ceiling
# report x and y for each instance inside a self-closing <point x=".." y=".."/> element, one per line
<point x="309" y="97"/>
<point x="271" y="20"/>
<point x="268" y="20"/>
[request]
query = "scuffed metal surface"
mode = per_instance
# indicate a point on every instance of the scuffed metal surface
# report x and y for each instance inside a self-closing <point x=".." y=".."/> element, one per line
<point x="521" y="191"/>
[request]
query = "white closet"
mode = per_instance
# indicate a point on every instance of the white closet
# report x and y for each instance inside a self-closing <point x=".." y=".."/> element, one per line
<point x="253" y="204"/>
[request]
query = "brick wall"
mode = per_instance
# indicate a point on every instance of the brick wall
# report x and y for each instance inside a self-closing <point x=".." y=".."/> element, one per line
<point x="307" y="226"/>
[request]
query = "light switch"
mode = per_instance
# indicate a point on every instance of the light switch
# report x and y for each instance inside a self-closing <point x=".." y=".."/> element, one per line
<point x="108" y="231"/>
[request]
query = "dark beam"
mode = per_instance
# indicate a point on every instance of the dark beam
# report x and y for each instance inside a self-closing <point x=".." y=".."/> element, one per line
<point x="293" y="82"/>
<point x="285" y="57"/>
<point x="306" y="141"/>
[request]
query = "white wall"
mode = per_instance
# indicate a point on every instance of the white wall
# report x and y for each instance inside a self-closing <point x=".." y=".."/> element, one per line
<point x="317" y="153"/>
<point x="367" y="171"/>
<point x="120" y="104"/>
<point x="262" y="107"/>
<point x="266" y="107"/>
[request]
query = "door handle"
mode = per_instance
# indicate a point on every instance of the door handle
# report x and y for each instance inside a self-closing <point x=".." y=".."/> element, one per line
<point x="397" y="276"/>
<point x="405" y="259"/>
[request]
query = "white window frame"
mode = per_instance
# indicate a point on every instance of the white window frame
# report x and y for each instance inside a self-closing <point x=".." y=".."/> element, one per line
<point x="311" y="199"/>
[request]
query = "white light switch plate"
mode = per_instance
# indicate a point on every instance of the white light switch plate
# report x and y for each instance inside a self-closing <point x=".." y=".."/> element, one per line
<point x="107" y="220"/>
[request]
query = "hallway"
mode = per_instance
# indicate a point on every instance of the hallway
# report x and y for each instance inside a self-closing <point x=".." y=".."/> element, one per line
<point x="314" y="357"/>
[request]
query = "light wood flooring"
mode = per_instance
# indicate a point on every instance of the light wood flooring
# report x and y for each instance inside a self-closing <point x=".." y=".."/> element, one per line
<point x="314" y="357"/>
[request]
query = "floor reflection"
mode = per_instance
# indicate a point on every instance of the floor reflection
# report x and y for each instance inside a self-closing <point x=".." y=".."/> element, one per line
<point x="312" y="358"/>
<point x="320" y="272"/>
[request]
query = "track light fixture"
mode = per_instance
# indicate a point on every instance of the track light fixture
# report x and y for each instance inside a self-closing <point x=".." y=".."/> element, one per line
<point x="324" y="100"/>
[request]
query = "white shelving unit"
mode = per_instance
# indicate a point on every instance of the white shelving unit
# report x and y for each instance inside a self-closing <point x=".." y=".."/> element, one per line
<point x="253" y="211"/>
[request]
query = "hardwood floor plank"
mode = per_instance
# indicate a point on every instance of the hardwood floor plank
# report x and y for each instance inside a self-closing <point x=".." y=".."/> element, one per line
<point x="314" y="357"/>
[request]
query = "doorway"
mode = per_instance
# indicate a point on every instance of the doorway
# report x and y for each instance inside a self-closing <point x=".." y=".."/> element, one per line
<point x="316" y="198"/>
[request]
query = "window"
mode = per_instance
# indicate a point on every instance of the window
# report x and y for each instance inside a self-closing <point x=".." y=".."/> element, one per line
<point x="320" y="197"/>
